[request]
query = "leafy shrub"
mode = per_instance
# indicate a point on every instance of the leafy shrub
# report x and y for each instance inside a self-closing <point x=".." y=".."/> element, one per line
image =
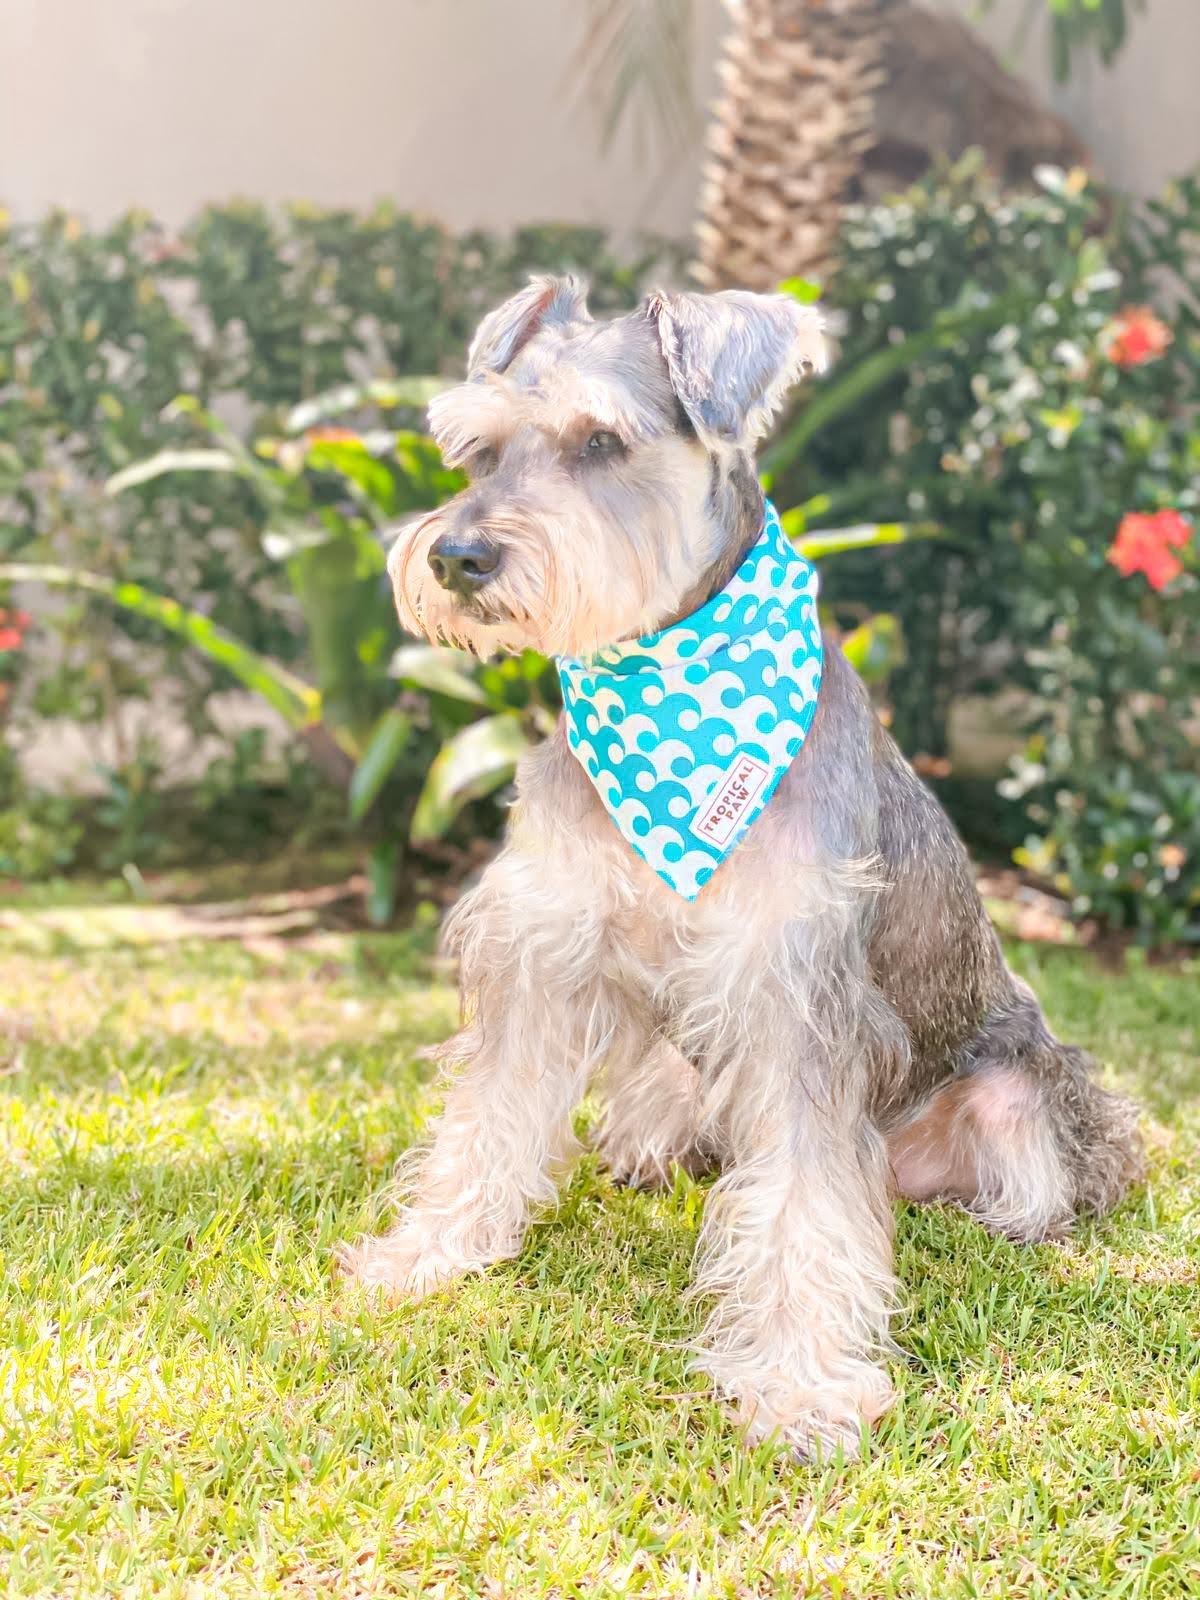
<point x="249" y="312"/>
<point x="1054" y="401"/>
<point x="1019" y="376"/>
<point x="412" y="733"/>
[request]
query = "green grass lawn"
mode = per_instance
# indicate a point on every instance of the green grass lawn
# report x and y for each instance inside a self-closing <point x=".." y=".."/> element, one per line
<point x="194" y="1405"/>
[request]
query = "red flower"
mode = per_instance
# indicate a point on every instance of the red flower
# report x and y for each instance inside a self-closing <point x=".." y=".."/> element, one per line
<point x="1135" y="336"/>
<point x="1144" y="544"/>
<point x="12" y="628"/>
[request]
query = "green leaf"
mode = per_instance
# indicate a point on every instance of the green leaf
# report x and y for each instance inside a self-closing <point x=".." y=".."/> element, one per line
<point x="1062" y="422"/>
<point x="438" y="670"/>
<point x="287" y="539"/>
<point x="384" y="748"/>
<point x="865" y="536"/>
<point x="381" y="882"/>
<point x="201" y="460"/>
<point x="370" y="480"/>
<point x="478" y="759"/>
<point x="344" y="602"/>
<point x="415" y="391"/>
<point x="875" y="648"/>
<point x="296" y="701"/>
<point x="805" y="290"/>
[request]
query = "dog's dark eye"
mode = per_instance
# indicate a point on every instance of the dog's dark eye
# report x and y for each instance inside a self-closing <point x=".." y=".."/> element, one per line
<point x="602" y="443"/>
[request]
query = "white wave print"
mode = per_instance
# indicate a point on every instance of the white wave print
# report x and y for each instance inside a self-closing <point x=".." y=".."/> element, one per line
<point x="635" y="724"/>
<point x="692" y="871"/>
<point x="625" y="814"/>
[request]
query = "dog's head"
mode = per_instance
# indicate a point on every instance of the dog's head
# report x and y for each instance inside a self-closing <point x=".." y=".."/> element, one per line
<point x="610" y="465"/>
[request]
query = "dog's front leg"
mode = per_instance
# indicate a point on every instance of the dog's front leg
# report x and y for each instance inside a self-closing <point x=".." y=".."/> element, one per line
<point x="538" y="1013"/>
<point x="796" y="1243"/>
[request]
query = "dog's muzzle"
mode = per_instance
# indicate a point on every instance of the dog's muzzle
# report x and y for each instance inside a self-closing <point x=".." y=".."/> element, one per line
<point x="463" y="565"/>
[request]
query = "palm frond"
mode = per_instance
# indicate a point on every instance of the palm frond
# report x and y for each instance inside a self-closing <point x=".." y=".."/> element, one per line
<point x="633" y="64"/>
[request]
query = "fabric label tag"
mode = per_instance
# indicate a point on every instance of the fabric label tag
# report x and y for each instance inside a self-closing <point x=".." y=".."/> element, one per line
<point x="726" y="806"/>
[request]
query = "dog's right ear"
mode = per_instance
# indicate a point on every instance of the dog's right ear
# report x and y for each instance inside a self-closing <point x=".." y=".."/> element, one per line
<point x="543" y="302"/>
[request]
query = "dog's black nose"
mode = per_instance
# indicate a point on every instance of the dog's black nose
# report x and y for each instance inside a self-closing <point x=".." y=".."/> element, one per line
<point x="463" y="564"/>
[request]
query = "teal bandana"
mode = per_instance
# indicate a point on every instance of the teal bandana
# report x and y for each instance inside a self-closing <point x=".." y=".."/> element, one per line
<point x="685" y="733"/>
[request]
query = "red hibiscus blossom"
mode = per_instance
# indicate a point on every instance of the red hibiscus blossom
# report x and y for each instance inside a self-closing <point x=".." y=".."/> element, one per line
<point x="12" y="628"/>
<point x="1145" y="542"/>
<point x="1135" y="336"/>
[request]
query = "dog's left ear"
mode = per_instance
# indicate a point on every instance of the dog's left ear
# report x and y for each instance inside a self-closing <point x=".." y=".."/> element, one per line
<point x="733" y="356"/>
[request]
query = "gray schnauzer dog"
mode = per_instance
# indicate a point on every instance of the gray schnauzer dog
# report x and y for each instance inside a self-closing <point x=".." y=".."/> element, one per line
<point x="831" y="1019"/>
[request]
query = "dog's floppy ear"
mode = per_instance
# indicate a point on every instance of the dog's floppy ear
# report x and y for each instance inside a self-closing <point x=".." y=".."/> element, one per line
<point x="733" y="356"/>
<point x="541" y="303"/>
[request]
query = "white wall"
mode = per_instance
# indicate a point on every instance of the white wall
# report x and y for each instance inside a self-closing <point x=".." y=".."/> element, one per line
<point x="1141" y="117"/>
<point x="456" y="107"/>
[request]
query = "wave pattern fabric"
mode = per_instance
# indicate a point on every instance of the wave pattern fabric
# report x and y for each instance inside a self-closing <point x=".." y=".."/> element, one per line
<point x="686" y="733"/>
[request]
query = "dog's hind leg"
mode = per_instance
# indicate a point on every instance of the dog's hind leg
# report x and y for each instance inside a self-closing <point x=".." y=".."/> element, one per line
<point x="650" y="1120"/>
<point x="1023" y="1137"/>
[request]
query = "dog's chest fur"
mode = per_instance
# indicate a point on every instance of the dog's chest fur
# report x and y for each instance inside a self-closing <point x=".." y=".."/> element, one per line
<point x="833" y="871"/>
<point x="655" y="942"/>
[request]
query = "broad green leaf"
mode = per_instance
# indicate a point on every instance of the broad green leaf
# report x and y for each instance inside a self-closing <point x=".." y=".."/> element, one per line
<point x="426" y="480"/>
<point x="381" y="882"/>
<point x="384" y="748"/>
<point x="875" y="648"/>
<point x="296" y="701"/>
<point x="345" y="603"/>
<point x="386" y="392"/>
<point x="441" y="671"/>
<point x="478" y="759"/>
<point x="352" y="460"/>
<point x="201" y="460"/>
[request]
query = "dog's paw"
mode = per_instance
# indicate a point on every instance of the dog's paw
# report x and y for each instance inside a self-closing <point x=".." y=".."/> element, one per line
<point x="633" y="1166"/>
<point x="401" y="1265"/>
<point x="811" y="1436"/>
<point x="815" y="1425"/>
<point x="636" y="1170"/>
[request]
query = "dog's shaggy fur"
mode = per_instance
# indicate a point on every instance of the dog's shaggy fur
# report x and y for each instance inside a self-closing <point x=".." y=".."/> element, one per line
<point x="832" y="1018"/>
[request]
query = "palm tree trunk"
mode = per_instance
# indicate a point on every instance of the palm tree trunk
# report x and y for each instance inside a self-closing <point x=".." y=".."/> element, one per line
<point x="788" y="137"/>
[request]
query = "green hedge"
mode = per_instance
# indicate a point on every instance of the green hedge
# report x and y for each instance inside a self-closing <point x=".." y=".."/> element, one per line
<point x="1030" y="442"/>
<point x="249" y="311"/>
<point x="981" y="388"/>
